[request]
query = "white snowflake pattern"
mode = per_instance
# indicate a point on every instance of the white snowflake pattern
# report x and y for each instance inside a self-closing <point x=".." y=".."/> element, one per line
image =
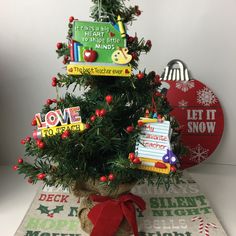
<point x="206" y="97"/>
<point x="198" y="154"/>
<point x="185" y="86"/>
<point x="183" y="104"/>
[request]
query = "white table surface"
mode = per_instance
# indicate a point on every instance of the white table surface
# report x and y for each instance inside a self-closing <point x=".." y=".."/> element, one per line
<point x="218" y="182"/>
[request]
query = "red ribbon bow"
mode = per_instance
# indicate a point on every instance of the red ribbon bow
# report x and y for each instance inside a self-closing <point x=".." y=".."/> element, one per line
<point x="108" y="214"/>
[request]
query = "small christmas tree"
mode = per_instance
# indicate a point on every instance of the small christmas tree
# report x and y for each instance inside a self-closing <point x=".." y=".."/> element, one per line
<point x="110" y="109"/>
<point x="119" y="132"/>
<point x="102" y="145"/>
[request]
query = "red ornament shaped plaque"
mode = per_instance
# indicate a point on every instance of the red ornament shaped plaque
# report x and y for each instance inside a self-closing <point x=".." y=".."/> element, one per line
<point x="198" y="112"/>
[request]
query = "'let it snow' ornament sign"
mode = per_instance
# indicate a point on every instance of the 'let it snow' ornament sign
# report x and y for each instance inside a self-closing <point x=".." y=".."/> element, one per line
<point x="99" y="48"/>
<point x="153" y="147"/>
<point x="197" y="110"/>
<point x="56" y="122"/>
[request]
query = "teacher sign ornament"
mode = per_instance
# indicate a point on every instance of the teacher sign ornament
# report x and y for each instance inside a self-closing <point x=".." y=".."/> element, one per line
<point x="197" y="110"/>
<point x="99" y="48"/>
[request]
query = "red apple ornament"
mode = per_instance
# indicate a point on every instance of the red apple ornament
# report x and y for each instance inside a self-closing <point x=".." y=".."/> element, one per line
<point x="90" y="55"/>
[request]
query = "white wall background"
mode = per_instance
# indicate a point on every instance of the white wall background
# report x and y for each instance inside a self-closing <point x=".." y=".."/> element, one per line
<point x="202" y="33"/>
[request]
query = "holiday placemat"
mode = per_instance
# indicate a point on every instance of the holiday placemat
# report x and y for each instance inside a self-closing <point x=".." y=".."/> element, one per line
<point x="182" y="211"/>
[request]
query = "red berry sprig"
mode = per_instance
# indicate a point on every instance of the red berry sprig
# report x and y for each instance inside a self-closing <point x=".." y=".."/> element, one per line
<point x="49" y="102"/>
<point x="134" y="56"/>
<point x="15" y="167"/>
<point x="41" y="144"/>
<point x="30" y="180"/>
<point x="131" y="39"/>
<point x="59" y="45"/>
<point x="41" y="176"/>
<point x="131" y="156"/>
<point x="137" y="11"/>
<point x="28" y="139"/>
<point x="23" y="141"/>
<point x="34" y="122"/>
<point x="140" y="76"/>
<point x="103" y="179"/>
<point x="111" y="177"/>
<point x="136" y="161"/>
<point x="54" y="81"/>
<point x="20" y="161"/>
<point x="65" y="134"/>
<point x="101" y="112"/>
<point x="109" y="99"/>
<point x="93" y="118"/>
<point x="71" y="19"/>
<point x="65" y="60"/>
<point x="173" y="169"/>
<point x="140" y="123"/>
<point x="149" y="44"/>
<point x="87" y="126"/>
<point x="97" y="112"/>
<point x="130" y="129"/>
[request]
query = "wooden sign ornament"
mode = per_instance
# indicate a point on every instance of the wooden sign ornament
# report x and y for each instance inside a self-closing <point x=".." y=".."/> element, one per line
<point x="197" y="110"/>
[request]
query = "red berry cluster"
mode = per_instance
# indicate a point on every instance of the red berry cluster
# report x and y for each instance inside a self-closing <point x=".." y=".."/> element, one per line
<point x="134" y="159"/>
<point x="98" y="113"/>
<point x="51" y="101"/>
<point x="110" y="177"/>
<point x="40" y="144"/>
<point x="54" y="81"/>
<point x="101" y="112"/>
<point x="25" y="140"/>
<point x="20" y="161"/>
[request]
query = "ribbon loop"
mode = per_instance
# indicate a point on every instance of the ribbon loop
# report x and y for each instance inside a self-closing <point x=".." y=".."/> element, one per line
<point x="114" y="211"/>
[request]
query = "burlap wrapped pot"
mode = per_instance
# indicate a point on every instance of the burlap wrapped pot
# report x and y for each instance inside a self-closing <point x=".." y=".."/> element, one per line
<point x="85" y="189"/>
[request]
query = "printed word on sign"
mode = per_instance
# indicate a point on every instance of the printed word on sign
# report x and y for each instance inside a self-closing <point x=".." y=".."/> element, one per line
<point x="56" y="122"/>
<point x="153" y="146"/>
<point x="81" y="69"/>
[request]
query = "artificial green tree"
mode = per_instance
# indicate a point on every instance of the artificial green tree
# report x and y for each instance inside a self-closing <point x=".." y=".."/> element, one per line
<point x="111" y="108"/>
